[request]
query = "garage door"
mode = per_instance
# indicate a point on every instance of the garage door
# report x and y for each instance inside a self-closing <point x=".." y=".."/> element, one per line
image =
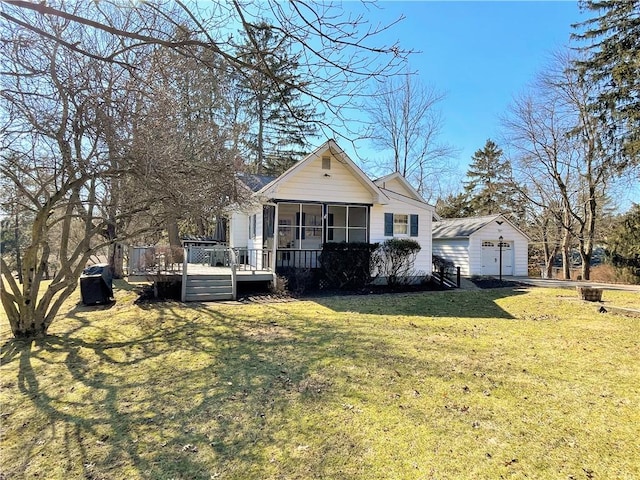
<point x="491" y="257"/>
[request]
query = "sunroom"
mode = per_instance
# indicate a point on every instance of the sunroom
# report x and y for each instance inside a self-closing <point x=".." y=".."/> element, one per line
<point x="297" y="231"/>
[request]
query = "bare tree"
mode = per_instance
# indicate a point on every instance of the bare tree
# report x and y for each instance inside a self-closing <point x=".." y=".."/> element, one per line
<point x="405" y="121"/>
<point x="337" y="50"/>
<point x="185" y="142"/>
<point x="85" y="131"/>
<point x="562" y="156"/>
<point x="63" y="153"/>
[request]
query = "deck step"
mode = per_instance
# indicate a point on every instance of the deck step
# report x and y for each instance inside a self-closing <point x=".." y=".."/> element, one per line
<point x="210" y="283"/>
<point x="208" y="297"/>
<point x="208" y="278"/>
<point x="209" y="288"/>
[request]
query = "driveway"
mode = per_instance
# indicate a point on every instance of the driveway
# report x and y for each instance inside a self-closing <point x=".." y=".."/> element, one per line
<point x="553" y="283"/>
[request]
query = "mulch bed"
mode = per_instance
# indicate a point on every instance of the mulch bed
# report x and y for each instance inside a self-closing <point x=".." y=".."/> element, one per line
<point x="268" y="297"/>
<point x="491" y="282"/>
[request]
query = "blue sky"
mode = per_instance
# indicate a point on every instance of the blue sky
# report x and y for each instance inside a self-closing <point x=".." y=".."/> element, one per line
<point x="481" y="54"/>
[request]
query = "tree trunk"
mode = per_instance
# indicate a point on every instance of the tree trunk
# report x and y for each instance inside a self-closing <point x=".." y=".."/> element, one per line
<point x="16" y="234"/>
<point x="116" y="259"/>
<point x="586" y="246"/>
<point x="260" y="139"/>
<point x="566" y="272"/>
<point x="28" y="325"/>
<point x="586" y="265"/>
<point x="550" y="255"/>
<point x="566" y="244"/>
<point x="173" y="232"/>
<point x="549" y="252"/>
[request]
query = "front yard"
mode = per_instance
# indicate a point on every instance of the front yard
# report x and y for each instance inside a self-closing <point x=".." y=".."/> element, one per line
<point x="503" y="383"/>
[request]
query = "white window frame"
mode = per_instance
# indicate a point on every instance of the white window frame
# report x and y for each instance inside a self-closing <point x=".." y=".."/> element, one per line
<point x="348" y="229"/>
<point x="397" y="226"/>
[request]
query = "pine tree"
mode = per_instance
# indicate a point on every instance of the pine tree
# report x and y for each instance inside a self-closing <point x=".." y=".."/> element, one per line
<point x="613" y="63"/>
<point x="282" y="122"/>
<point x="453" y="206"/>
<point x="489" y="188"/>
<point x="623" y="241"/>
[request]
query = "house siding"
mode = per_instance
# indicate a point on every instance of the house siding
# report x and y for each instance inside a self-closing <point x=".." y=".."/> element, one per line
<point x="454" y="250"/>
<point x="492" y="232"/>
<point x="239" y="231"/>
<point x="256" y="242"/>
<point x="311" y="184"/>
<point x="423" y="262"/>
<point x="394" y="185"/>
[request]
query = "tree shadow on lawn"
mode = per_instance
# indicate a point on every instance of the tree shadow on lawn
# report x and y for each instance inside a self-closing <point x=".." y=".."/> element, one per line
<point x="453" y="303"/>
<point x="187" y="397"/>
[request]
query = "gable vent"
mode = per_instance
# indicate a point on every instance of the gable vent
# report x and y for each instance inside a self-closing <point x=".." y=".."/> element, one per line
<point x="326" y="163"/>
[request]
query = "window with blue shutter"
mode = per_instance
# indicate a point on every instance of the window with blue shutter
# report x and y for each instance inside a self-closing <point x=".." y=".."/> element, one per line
<point x="413" y="227"/>
<point x="388" y="224"/>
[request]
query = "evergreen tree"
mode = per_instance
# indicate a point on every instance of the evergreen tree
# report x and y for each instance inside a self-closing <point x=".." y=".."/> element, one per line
<point x="623" y="241"/>
<point x="613" y="63"/>
<point x="282" y="122"/>
<point x="453" y="206"/>
<point x="276" y="165"/>
<point x="489" y="188"/>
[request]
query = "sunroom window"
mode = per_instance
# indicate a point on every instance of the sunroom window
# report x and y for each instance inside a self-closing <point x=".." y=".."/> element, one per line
<point x="299" y="226"/>
<point x="346" y="223"/>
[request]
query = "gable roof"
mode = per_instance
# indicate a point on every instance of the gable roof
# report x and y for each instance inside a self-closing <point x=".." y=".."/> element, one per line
<point x="465" y="227"/>
<point x="409" y="190"/>
<point x="271" y="187"/>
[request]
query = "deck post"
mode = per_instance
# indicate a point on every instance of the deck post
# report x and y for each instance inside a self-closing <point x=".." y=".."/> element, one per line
<point x="274" y="249"/>
<point x="234" y="283"/>
<point x="183" y="293"/>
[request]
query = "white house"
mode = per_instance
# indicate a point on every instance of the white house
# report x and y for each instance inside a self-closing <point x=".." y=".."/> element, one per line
<point x="326" y="198"/>
<point x="481" y="245"/>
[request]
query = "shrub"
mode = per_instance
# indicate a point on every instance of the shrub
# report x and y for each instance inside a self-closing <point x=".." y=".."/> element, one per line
<point x="611" y="274"/>
<point x="279" y="286"/>
<point x="394" y="259"/>
<point x="298" y="280"/>
<point x="347" y="265"/>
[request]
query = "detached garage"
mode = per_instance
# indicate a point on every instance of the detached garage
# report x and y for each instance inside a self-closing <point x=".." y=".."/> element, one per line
<point x="474" y="244"/>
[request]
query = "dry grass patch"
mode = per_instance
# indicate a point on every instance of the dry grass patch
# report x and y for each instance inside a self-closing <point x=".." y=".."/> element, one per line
<point x="485" y="384"/>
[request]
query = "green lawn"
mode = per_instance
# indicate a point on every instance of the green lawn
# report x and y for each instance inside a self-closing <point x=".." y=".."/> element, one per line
<point x="504" y="383"/>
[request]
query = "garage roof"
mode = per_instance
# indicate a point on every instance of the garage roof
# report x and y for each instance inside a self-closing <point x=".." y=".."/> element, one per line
<point x="464" y="227"/>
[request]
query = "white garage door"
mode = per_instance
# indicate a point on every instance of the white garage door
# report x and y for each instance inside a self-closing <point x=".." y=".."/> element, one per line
<point x="491" y="257"/>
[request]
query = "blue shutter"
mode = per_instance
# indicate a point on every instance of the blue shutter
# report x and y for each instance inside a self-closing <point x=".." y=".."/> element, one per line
<point x="413" y="227"/>
<point x="388" y="224"/>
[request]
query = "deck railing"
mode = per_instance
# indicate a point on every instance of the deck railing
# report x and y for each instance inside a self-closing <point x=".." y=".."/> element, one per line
<point x="245" y="259"/>
<point x="444" y="270"/>
<point x="152" y="260"/>
<point x="253" y="259"/>
<point x="298" y="258"/>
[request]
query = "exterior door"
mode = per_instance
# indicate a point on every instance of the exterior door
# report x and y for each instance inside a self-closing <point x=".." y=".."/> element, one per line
<point x="491" y="257"/>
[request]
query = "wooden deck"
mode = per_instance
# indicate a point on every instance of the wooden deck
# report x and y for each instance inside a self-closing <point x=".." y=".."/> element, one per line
<point x="241" y="274"/>
<point x="197" y="269"/>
